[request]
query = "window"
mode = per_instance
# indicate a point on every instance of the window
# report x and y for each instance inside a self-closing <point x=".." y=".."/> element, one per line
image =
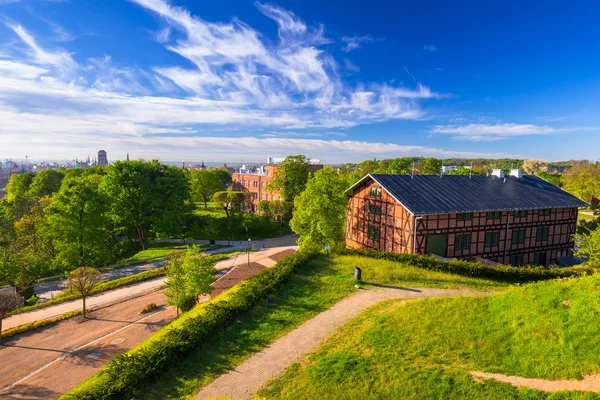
<point x="539" y="259"/>
<point x="521" y="214"/>
<point x="462" y="242"/>
<point x="492" y="239"/>
<point x="494" y="215"/>
<point x="264" y="184"/>
<point x="542" y="234"/>
<point x="518" y="236"/>
<point x="375" y="209"/>
<point x="373" y="233"/>
<point x="546" y="212"/>
<point x="375" y="191"/>
<point x="516" y="260"/>
<point x="464" y="216"/>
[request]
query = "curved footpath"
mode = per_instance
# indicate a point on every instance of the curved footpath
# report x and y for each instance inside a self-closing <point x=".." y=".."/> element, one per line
<point x="245" y="380"/>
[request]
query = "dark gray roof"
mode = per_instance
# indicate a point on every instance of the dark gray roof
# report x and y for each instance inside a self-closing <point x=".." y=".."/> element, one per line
<point x="432" y="194"/>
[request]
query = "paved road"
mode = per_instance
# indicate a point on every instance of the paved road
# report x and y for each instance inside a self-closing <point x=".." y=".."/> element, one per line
<point x="50" y="289"/>
<point x="48" y="362"/>
<point x="128" y="291"/>
<point x="245" y="380"/>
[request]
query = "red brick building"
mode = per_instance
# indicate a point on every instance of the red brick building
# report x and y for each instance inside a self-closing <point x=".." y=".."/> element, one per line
<point x="256" y="180"/>
<point x="517" y="220"/>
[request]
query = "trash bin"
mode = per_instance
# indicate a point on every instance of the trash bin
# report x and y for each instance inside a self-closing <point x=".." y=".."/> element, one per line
<point x="357" y="273"/>
<point x="212" y="244"/>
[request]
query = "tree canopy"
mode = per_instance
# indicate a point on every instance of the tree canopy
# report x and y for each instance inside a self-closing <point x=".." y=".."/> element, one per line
<point x="319" y="215"/>
<point x="46" y="183"/>
<point x="431" y="166"/>
<point x="582" y="180"/>
<point x="291" y="177"/>
<point x="205" y="183"/>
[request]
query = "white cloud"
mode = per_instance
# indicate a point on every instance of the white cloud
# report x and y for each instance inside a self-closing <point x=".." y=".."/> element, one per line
<point x="430" y="47"/>
<point x="59" y="60"/>
<point x="355" y="42"/>
<point x="491" y="132"/>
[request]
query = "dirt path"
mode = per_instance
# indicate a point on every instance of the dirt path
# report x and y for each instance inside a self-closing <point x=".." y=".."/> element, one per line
<point x="245" y="380"/>
<point x="590" y="383"/>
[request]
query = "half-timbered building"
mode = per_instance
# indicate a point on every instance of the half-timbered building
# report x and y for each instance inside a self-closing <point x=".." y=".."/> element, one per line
<point x="517" y="220"/>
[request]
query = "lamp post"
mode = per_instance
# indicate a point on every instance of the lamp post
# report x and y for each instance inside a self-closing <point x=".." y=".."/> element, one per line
<point x="248" y="250"/>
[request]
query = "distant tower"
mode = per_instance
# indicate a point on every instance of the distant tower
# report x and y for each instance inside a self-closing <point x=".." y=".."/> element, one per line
<point x="102" y="160"/>
<point x="127" y="156"/>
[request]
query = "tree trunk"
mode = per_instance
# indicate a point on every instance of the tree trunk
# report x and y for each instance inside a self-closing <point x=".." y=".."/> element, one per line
<point x="0" y="330"/>
<point x="83" y="307"/>
<point x="142" y="239"/>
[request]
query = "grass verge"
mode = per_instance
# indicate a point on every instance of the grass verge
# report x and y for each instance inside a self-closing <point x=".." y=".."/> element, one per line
<point x="314" y="287"/>
<point x="425" y="348"/>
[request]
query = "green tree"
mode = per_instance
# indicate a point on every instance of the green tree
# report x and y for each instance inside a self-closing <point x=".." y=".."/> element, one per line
<point x="431" y="166"/>
<point x="147" y="196"/>
<point x="463" y="171"/>
<point x="400" y="165"/>
<point x="230" y="200"/>
<point x="205" y="183"/>
<point x="189" y="275"/>
<point x="46" y="183"/>
<point x="291" y="177"/>
<point x="82" y="282"/>
<point x="78" y="215"/>
<point x="535" y="166"/>
<point x="582" y="180"/>
<point x="224" y="176"/>
<point x="319" y="215"/>
<point x="17" y="194"/>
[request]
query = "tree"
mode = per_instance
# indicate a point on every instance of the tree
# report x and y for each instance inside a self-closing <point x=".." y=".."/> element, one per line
<point x="8" y="303"/>
<point x="431" y="166"/>
<point x="320" y="211"/>
<point x="46" y="183"/>
<point x="189" y="276"/>
<point x="230" y="200"/>
<point x="17" y="194"/>
<point x="582" y="180"/>
<point x="463" y="171"/>
<point x="535" y="166"/>
<point x="205" y="183"/>
<point x="280" y="211"/>
<point x="224" y="176"/>
<point x="589" y="246"/>
<point x="147" y="196"/>
<point x="82" y="282"/>
<point x="291" y="177"/>
<point x="78" y="215"/>
<point x="401" y="165"/>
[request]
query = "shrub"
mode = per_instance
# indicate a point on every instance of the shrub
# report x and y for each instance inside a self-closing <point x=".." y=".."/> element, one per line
<point x="149" y="307"/>
<point x="120" y="378"/>
<point x="472" y="269"/>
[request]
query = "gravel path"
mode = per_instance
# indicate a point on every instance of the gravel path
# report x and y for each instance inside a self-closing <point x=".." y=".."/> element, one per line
<point x="589" y="383"/>
<point x="245" y="380"/>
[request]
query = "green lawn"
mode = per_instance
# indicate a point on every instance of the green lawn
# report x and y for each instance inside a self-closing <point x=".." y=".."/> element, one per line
<point x="585" y="217"/>
<point x="161" y="250"/>
<point x="423" y="349"/>
<point x="316" y="287"/>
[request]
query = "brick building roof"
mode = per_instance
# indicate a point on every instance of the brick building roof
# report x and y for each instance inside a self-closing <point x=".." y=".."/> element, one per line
<point x="432" y="194"/>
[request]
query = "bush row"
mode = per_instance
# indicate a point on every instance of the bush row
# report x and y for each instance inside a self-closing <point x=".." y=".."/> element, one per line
<point x="41" y="323"/>
<point x="467" y="268"/>
<point x="120" y="378"/>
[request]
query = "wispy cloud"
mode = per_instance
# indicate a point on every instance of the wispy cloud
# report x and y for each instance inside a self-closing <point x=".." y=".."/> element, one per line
<point x="59" y="59"/>
<point x="355" y="42"/>
<point x="491" y="132"/>
<point x="430" y="47"/>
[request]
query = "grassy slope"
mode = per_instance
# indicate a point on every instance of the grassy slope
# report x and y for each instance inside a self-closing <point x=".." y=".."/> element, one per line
<point x="157" y="251"/>
<point x="424" y="348"/>
<point x="315" y="288"/>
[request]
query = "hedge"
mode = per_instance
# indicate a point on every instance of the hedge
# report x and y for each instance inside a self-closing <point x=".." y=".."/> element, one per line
<point x="472" y="269"/>
<point x="121" y="377"/>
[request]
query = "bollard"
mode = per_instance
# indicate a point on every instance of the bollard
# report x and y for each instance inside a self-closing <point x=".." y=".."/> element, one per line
<point x="357" y="273"/>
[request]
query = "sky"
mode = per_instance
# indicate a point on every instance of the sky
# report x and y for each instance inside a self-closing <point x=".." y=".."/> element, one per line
<point x="342" y="81"/>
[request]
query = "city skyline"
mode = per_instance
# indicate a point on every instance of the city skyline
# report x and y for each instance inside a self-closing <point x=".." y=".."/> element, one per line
<point x="178" y="80"/>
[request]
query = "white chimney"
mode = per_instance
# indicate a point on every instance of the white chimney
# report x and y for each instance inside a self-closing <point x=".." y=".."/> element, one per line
<point x="498" y="173"/>
<point x="516" y="173"/>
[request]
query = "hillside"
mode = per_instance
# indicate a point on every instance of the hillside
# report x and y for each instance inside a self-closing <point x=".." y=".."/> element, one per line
<point x="428" y="348"/>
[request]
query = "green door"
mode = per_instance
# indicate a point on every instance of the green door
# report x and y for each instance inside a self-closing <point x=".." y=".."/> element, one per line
<point x="437" y="244"/>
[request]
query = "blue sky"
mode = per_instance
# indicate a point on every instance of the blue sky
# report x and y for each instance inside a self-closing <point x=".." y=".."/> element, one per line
<point x="225" y="80"/>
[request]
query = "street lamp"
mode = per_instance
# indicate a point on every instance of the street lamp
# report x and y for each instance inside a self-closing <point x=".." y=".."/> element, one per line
<point x="248" y="249"/>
